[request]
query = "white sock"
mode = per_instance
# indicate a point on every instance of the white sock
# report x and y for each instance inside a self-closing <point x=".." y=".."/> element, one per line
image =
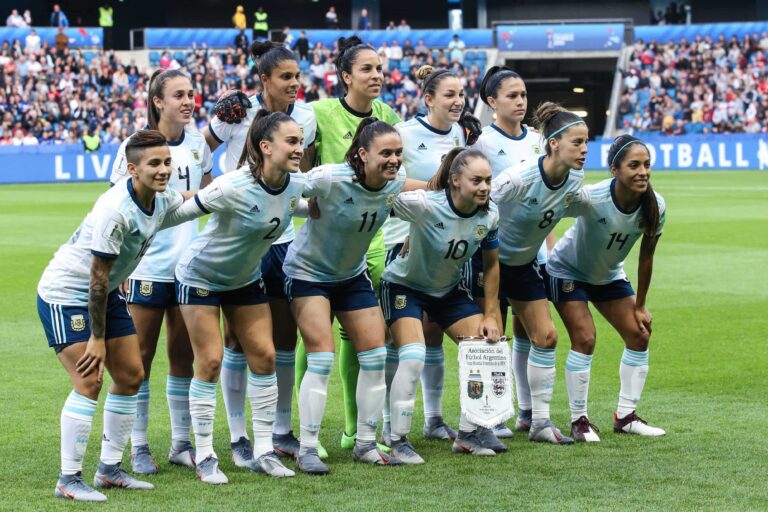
<point x="202" y="410"/>
<point x="234" y="387"/>
<point x="432" y="381"/>
<point x="633" y="371"/>
<point x="370" y="393"/>
<point x="76" y="421"/>
<point x="520" y="349"/>
<point x="465" y="425"/>
<point x="390" y="368"/>
<point x="139" y="432"/>
<point x="577" y="370"/>
<point x="541" y="379"/>
<point x="403" y="393"/>
<point x="119" y="416"/>
<point x="285" y="369"/>
<point x="313" y="393"/>
<point x="177" y="394"/>
<point x="262" y="393"/>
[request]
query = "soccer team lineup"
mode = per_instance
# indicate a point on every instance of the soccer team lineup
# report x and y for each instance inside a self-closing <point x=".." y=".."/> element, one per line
<point x="405" y="232"/>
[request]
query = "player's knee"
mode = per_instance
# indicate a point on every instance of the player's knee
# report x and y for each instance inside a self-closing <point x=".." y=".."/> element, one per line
<point x="639" y="340"/>
<point x="89" y="387"/>
<point x="548" y="339"/>
<point x="129" y="379"/>
<point x="583" y="341"/>
<point x="209" y="368"/>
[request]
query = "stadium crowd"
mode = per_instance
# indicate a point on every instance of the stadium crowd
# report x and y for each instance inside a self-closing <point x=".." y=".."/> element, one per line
<point x="54" y="95"/>
<point x="694" y="87"/>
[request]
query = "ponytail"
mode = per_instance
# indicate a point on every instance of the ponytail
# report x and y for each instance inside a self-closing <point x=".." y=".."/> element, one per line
<point x="553" y="120"/>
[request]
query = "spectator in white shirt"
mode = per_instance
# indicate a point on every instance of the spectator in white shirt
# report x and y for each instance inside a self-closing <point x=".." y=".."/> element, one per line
<point x="32" y="42"/>
<point x="16" y="20"/>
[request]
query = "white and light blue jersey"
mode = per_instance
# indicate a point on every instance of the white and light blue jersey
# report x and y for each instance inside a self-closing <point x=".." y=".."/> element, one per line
<point x="191" y="159"/>
<point x="529" y="208"/>
<point x="332" y="248"/>
<point x="441" y="240"/>
<point x="235" y="134"/>
<point x="504" y="150"/>
<point x="117" y="228"/>
<point x="593" y="250"/>
<point x="424" y="148"/>
<point x="247" y="217"/>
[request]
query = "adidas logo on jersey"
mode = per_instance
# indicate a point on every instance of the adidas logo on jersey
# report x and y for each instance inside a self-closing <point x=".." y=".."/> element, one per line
<point x="255" y="209"/>
<point x="349" y="200"/>
<point x="533" y="201"/>
<point x="422" y="147"/>
<point x="602" y="221"/>
<point x="440" y="225"/>
<point x="501" y="153"/>
<point x="348" y="136"/>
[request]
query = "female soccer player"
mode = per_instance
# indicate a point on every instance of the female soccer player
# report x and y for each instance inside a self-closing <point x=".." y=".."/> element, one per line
<point x="506" y="142"/>
<point x="360" y="73"/>
<point x="279" y="73"/>
<point x="587" y="264"/>
<point x="221" y="269"/>
<point x="532" y="198"/>
<point x="87" y="321"/>
<point x="426" y="141"/>
<point x="151" y="294"/>
<point x="447" y="226"/>
<point x="326" y="274"/>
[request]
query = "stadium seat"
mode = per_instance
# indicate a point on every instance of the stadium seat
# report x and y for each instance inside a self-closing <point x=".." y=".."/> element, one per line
<point x="179" y="56"/>
<point x="154" y="58"/>
<point x="304" y="66"/>
<point x="469" y="55"/>
<point x="88" y="56"/>
<point x="435" y="54"/>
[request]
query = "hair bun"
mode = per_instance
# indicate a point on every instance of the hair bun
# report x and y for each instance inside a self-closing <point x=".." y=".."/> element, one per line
<point x="424" y="71"/>
<point x="345" y="43"/>
<point x="259" y="48"/>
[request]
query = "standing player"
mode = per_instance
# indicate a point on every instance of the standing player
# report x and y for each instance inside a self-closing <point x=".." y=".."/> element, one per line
<point x="426" y="141"/>
<point x="279" y="74"/>
<point x="359" y="69"/>
<point x="532" y="198"/>
<point x="447" y="226"/>
<point x="587" y="264"/>
<point x="221" y="270"/>
<point x="87" y="322"/>
<point x="507" y="142"/>
<point x="326" y="274"/>
<point x="151" y="294"/>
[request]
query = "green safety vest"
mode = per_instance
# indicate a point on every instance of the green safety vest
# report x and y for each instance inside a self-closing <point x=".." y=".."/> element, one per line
<point x="105" y="17"/>
<point x="91" y="142"/>
<point x="261" y="22"/>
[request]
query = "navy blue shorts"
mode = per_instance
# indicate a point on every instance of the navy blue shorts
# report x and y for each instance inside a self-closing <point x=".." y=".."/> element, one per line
<point x="248" y="295"/>
<point x="402" y="302"/>
<point x="566" y="290"/>
<point x="65" y="325"/>
<point x="349" y="295"/>
<point x="522" y="282"/>
<point x="153" y="294"/>
<point x="272" y="270"/>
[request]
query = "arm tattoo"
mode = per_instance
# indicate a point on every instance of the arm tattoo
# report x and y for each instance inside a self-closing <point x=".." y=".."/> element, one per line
<point x="97" y="297"/>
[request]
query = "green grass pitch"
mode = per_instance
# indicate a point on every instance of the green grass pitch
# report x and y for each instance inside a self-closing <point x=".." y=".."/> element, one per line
<point x="707" y="386"/>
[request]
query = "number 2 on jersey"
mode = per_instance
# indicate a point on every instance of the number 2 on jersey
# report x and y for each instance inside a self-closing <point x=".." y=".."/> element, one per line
<point x="270" y="235"/>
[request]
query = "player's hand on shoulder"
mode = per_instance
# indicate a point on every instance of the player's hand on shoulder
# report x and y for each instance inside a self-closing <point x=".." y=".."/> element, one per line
<point x="472" y="125"/>
<point x="232" y="107"/>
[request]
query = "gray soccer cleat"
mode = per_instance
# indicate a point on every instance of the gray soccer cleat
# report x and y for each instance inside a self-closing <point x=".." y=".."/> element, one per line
<point x="524" y="420"/>
<point x="468" y="442"/>
<point x="436" y="428"/>
<point x="73" y="487"/>
<point x="112" y="475"/>
<point x="242" y="453"/>
<point x="142" y="461"/>
<point x="310" y="463"/>
<point x="403" y="450"/>
<point x="182" y="454"/>
<point x="371" y="454"/>
<point x="488" y="439"/>
<point x="286" y="445"/>
<point x="502" y="431"/>
<point x="546" y="432"/>
<point x="208" y="471"/>
<point x="270" y="464"/>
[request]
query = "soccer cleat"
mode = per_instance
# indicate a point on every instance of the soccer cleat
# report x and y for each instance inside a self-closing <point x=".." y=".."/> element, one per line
<point x="436" y="428"/>
<point x="310" y="463"/>
<point x="468" y="442"/>
<point x="73" y="487"/>
<point x="634" y="424"/>
<point x="209" y="473"/>
<point x="182" y="454"/>
<point x="547" y="433"/>
<point x="583" y="431"/>
<point x="489" y="440"/>
<point x="349" y="442"/>
<point x="371" y="454"/>
<point x="286" y="445"/>
<point x="270" y="464"/>
<point x="112" y="475"/>
<point x="142" y="461"/>
<point x="524" y="420"/>
<point x="404" y="452"/>
<point x="502" y="431"/>
<point x="386" y="435"/>
<point x="242" y="453"/>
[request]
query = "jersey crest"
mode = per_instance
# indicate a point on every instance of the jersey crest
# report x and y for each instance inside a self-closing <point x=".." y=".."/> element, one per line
<point x="78" y="323"/>
<point x="145" y="288"/>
